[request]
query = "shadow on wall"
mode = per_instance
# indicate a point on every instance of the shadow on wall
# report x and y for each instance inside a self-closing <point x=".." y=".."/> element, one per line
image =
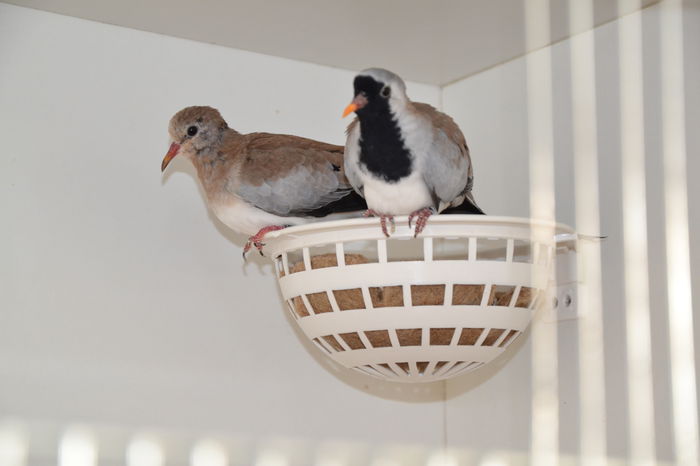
<point x="406" y="392"/>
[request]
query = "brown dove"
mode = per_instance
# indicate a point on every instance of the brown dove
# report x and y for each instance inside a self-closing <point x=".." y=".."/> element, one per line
<point x="403" y="157"/>
<point x="260" y="182"/>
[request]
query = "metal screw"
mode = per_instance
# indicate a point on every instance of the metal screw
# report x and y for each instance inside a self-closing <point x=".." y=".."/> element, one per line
<point x="568" y="300"/>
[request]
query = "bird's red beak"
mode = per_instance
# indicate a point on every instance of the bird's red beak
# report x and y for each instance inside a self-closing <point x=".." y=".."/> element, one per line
<point x="172" y="152"/>
<point x="357" y="103"/>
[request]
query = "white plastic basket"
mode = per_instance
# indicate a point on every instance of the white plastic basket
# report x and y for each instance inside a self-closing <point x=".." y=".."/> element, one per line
<point x="414" y="310"/>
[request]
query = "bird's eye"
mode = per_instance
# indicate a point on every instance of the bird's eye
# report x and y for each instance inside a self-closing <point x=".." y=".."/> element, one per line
<point x="386" y="91"/>
<point x="191" y="131"/>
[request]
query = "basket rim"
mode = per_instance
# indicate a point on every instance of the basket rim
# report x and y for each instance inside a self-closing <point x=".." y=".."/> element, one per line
<point x="458" y="219"/>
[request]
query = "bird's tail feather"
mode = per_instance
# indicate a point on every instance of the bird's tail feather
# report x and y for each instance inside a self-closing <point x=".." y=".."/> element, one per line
<point x="352" y="202"/>
<point x="468" y="206"/>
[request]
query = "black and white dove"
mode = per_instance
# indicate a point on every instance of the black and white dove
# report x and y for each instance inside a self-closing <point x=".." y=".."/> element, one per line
<point x="403" y="157"/>
<point x="260" y="182"/>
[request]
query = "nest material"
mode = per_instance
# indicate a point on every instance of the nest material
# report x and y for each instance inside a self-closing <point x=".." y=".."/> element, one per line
<point x="392" y="296"/>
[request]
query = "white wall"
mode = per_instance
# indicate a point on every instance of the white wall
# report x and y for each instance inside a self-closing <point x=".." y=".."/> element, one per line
<point x="122" y="302"/>
<point x="491" y="109"/>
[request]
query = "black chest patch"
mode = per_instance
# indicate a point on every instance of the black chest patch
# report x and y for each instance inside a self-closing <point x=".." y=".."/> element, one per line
<point x="382" y="148"/>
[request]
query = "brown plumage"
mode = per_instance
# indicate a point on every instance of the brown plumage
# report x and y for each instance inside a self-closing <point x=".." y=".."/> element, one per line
<point x="257" y="180"/>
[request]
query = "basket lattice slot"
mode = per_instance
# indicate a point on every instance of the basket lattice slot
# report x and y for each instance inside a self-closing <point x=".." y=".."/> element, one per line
<point x="414" y="310"/>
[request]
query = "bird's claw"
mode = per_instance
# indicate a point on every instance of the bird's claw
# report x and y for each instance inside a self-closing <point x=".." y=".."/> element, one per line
<point x="421" y="216"/>
<point x="382" y="221"/>
<point x="249" y="245"/>
<point x="256" y="240"/>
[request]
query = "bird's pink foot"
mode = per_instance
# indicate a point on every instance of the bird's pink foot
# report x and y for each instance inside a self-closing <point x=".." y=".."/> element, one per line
<point x="421" y="216"/>
<point x="256" y="239"/>
<point x="382" y="220"/>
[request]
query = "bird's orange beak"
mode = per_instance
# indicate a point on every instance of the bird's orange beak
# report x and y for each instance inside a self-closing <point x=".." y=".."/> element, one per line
<point x="357" y="103"/>
<point x="172" y="152"/>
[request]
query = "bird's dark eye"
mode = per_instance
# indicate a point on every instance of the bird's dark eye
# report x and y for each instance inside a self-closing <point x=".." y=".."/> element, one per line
<point x="191" y="131"/>
<point x="386" y="91"/>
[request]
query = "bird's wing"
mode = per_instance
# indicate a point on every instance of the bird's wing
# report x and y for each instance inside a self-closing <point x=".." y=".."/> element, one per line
<point x="288" y="175"/>
<point x="352" y="156"/>
<point x="448" y="169"/>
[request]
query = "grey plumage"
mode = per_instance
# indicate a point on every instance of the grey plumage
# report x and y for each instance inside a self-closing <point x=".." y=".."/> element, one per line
<point x="311" y="183"/>
<point x="448" y="173"/>
<point x="405" y="157"/>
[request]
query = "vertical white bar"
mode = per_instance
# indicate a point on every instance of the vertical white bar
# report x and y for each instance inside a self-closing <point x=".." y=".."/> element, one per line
<point x="536" y="250"/>
<point x="680" y="307"/>
<point x="13" y="446"/>
<point x="486" y="297"/>
<point x="340" y="254"/>
<point x="482" y="337"/>
<point x="367" y="297"/>
<point x="324" y="345"/>
<point x="365" y="341"/>
<point x="502" y="337"/>
<point x="144" y="451"/>
<point x="514" y="298"/>
<point x="509" y="250"/>
<point x="307" y="259"/>
<point x="544" y="447"/>
<point x="430" y="368"/>
<point x="390" y="373"/>
<point x="428" y="249"/>
<point x="407" y="297"/>
<point x="307" y="304"/>
<point x="285" y="263"/>
<point x="341" y="342"/>
<point x="331" y="299"/>
<point x="449" y="287"/>
<point x="585" y="149"/>
<point x="444" y="369"/>
<point x="456" y="336"/>
<point x="77" y="448"/>
<point x="425" y="337"/>
<point x="394" y="338"/>
<point x="272" y="457"/>
<point x="381" y="251"/>
<point x="208" y="453"/>
<point x="634" y="218"/>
